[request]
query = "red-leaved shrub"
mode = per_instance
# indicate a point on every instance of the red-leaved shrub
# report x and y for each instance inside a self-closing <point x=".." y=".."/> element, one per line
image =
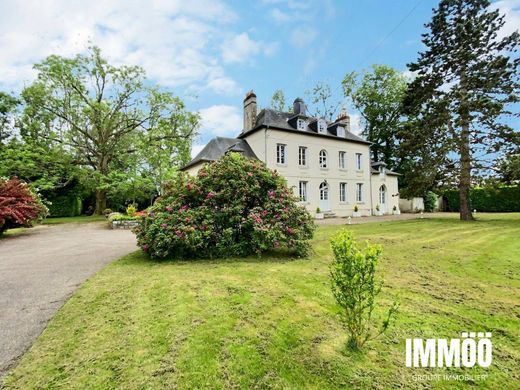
<point x="18" y="205"/>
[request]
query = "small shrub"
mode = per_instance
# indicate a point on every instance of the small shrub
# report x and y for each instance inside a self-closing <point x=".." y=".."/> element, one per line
<point x="394" y="208"/>
<point x="131" y="210"/>
<point x="233" y="207"/>
<point x="430" y="201"/>
<point x="318" y="210"/>
<point x="107" y="212"/>
<point x="19" y="206"/>
<point x="355" y="287"/>
<point x="356" y="208"/>
<point x="378" y="207"/>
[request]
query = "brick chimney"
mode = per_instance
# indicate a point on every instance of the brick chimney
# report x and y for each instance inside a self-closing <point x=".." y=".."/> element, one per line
<point x="343" y="119"/>
<point x="249" y="111"/>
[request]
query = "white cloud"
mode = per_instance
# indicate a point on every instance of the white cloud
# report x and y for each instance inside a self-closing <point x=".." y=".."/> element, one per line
<point x="355" y="124"/>
<point x="241" y="48"/>
<point x="220" y="120"/>
<point x="303" y="36"/>
<point x="511" y="10"/>
<point x="175" y="41"/>
<point x="195" y="149"/>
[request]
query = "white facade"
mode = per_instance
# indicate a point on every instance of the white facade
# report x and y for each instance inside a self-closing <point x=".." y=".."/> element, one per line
<point x="336" y="186"/>
<point x="326" y="165"/>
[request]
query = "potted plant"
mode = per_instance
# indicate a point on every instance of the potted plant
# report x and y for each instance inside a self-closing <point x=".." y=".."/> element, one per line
<point x="396" y="211"/>
<point x="356" y="212"/>
<point x="378" y="210"/>
<point x="319" y="214"/>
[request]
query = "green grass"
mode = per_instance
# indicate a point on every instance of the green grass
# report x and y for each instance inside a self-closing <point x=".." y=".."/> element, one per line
<point x="78" y="219"/>
<point x="272" y="323"/>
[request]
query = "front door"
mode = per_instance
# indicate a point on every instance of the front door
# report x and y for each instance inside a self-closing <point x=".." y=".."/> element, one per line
<point x="382" y="199"/>
<point x="324" y="197"/>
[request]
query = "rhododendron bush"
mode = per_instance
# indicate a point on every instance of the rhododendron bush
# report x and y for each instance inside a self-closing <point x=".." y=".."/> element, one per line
<point x="233" y="207"/>
<point x="18" y="205"/>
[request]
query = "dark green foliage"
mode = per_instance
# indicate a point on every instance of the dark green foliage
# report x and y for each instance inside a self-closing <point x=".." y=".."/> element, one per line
<point x="430" y="201"/>
<point x="65" y="206"/>
<point x="489" y="199"/>
<point x="233" y="207"/>
<point x="355" y="286"/>
<point x="467" y="81"/>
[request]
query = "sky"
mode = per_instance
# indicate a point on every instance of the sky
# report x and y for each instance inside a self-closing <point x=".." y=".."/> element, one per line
<point x="211" y="52"/>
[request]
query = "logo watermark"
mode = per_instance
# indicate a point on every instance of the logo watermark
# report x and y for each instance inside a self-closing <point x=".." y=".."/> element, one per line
<point x="470" y="350"/>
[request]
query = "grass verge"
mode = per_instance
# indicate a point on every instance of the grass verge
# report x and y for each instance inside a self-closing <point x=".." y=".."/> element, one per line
<point x="272" y="322"/>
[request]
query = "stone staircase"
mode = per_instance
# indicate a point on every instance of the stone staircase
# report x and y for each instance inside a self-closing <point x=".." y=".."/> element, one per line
<point x="329" y="214"/>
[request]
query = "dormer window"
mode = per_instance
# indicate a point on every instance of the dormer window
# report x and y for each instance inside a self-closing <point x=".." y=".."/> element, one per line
<point x="301" y="124"/>
<point x="322" y="126"/>
<point x="341" y="131"/>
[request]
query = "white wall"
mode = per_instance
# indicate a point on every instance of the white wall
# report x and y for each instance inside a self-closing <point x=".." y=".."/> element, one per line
<point x="391" y="194"/>
<point x="264" y="145"/>
<point x="411" y="205"/>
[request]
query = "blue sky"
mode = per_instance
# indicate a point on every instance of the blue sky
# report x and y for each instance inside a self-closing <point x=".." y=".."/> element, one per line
<point x="211" y="52"/>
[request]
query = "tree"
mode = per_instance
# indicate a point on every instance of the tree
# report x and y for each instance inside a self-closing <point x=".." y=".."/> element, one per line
<point x="8" y="105"/>
<point x="378" y="96"/>
<point x="99" y="111"/>
<point x="278" y="100"/>
<point x="465" y="81"/>
<point x="509" y="168"/>
<point x="323" y="103"/>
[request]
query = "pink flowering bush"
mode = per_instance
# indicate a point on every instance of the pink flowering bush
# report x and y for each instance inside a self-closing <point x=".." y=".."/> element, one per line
<point x="234" y="207"/>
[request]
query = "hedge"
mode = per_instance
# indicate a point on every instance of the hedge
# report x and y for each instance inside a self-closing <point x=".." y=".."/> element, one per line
<point x="489" y="199"/>
<point x="65" y="206"/>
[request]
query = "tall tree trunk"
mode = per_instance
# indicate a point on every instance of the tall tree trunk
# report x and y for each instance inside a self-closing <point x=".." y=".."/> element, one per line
<point x="465" y="174"/>
<point x="101" y="201"/>
<point x="101" y="194"/>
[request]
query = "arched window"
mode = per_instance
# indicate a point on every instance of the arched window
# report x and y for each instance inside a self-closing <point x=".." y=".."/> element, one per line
<point x="323" y="159"/>
<point x="382" y="195"/>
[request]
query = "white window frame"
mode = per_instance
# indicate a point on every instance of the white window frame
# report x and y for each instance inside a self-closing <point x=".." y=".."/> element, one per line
<point x="301" y="124"/>
<point x="359" y="165"/>
<point x="343" y="192"/>
<point x="323" y="159"/>
<point x="302" y="156"/>
<point x="359" y="192"/>
<point x="302" y="191"/>
<point x="281" y="154"/>
<point x="341" y="132"/>
<point x="322" y="126"/>
<point x="342" y="159"/>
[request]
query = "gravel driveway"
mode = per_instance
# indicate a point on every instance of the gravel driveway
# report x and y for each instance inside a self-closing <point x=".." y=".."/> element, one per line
<point x="39" y="270"/>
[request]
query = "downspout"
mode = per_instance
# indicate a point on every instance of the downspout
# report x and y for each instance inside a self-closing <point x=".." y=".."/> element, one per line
<point x="370" y="181"/>
<point x="265" y="144"/>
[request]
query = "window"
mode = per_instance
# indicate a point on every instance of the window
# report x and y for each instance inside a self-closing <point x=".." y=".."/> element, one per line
<point x="359" y="192"/>
<point x="342" y="160"/>
<point x="300" y="124"/>
<point x="280" y="154"/>
<point x="302" y="156"/>
<point x="323" y="159"/>
<point x="341" y="131"/>
<point x="343" y="192"/>
<point x="322" y="126"/>
<point x="358" y="161"/>
<point x="303" y="191"/>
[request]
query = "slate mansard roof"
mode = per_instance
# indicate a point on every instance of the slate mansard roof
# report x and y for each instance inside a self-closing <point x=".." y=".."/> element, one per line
<point x="218" y="147"/>
<point x="279" y="120"/>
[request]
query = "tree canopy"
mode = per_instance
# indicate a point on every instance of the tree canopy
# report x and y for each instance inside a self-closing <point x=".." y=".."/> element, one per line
<point x="466" y="81"/>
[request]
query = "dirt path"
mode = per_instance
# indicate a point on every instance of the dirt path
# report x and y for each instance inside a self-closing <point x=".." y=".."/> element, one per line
<point x="39" y="270"/>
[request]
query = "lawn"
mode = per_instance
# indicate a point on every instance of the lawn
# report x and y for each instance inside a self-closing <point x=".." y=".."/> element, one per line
<point x="272" y="322"/>
<point x="78" y="219"/>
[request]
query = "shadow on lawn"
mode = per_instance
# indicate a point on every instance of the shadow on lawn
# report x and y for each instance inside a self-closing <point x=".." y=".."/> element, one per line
<point x="274" y="256"/>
